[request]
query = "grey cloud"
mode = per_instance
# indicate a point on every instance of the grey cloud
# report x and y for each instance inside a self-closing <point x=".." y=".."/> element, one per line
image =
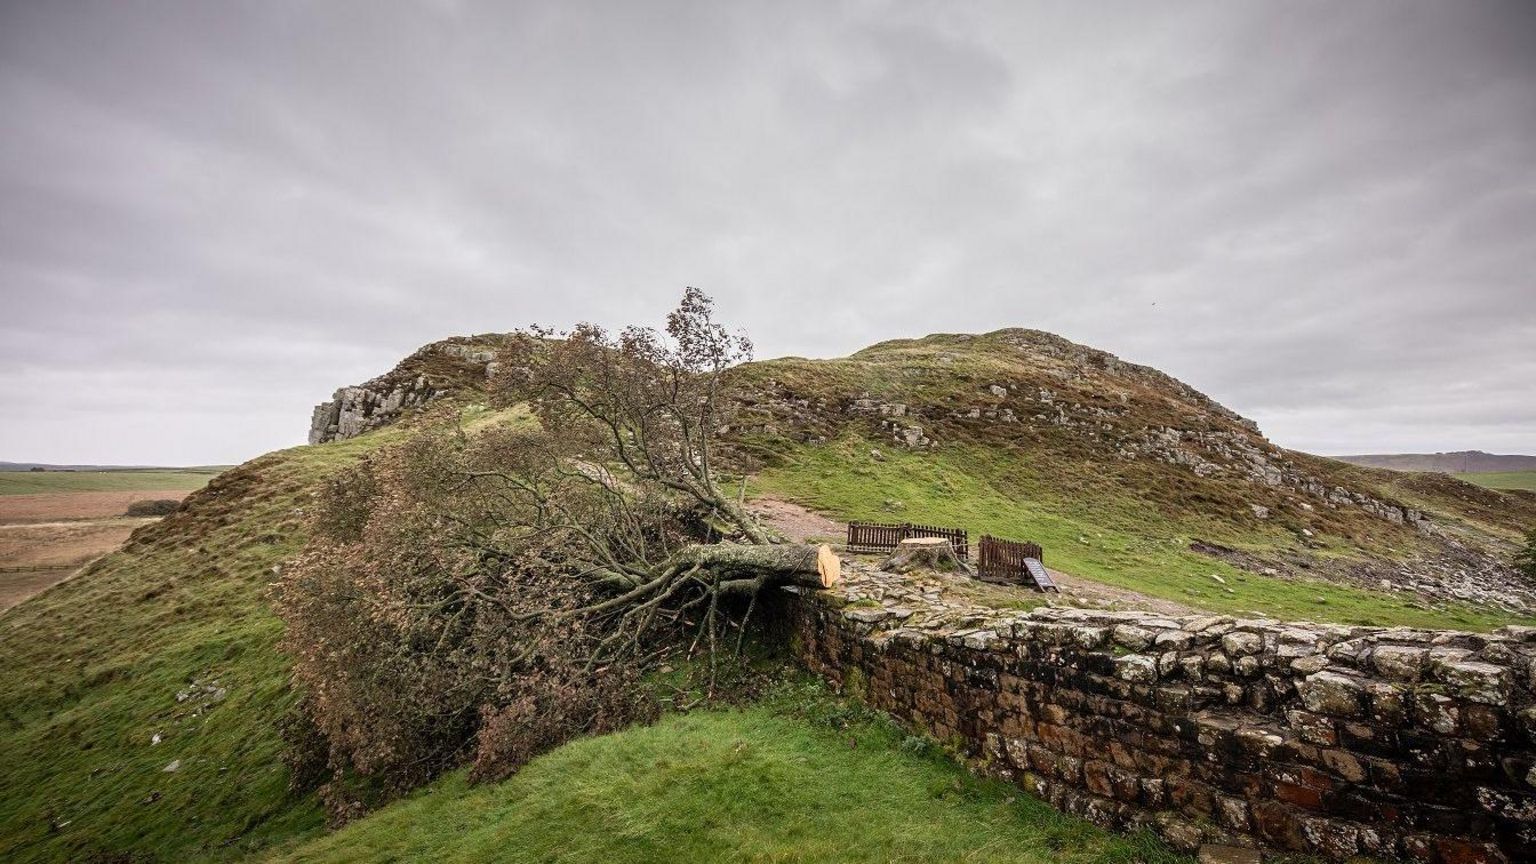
<point x="214" y="214"/>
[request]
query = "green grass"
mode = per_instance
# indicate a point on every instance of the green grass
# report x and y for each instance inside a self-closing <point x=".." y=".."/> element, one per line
<point x="36" y="482"/>
<point x="819" y="782"/>
<point x="90" y="671"/>
<point x="1121" y="541"/>
<point x="1502" y="479"/>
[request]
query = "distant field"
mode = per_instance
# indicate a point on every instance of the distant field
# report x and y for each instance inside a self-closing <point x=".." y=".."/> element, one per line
<point x="53" y="522"/>
<point x="34" y="482"/>
<point x="1502" y="479"/>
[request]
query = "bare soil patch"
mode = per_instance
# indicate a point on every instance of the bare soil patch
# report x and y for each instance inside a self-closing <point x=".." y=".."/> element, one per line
<point x="1077" y="591"/>
<point x="61" y="506"/>
<point x="796" y="522"/>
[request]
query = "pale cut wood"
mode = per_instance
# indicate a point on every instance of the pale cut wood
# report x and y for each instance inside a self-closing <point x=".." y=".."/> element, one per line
<point x="829" y="566"/>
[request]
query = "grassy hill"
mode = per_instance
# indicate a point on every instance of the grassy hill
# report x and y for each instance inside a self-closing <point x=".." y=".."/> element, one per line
<point x="169" y="639"/>
<point x="140" y="703"/>
<point x="807" y="779"/>
<point x="1121" y="473"/>
<point x="140" y="707"/>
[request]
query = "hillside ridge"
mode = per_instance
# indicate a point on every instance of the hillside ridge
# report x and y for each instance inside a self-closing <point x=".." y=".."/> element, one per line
<point x="1455" y="462"/>
<point x="1120" y="445"/>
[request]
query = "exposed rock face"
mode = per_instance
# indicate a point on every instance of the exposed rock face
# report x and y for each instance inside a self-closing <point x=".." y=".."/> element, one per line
<point x="453" y="365"/>
<point x="1329" y="740"/>
<point x="355" y="410"/>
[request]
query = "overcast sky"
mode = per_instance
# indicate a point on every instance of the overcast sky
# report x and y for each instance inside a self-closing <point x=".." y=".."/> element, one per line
<point x="214" y="214"/>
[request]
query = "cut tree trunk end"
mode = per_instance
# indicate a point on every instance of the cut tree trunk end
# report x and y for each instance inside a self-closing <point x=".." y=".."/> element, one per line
<point x="798" y="564"/>
<point x="925" y="553"/>
<point x="828" y="566"/>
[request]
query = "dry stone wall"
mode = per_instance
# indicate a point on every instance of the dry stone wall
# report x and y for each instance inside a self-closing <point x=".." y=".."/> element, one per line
<point x="1328" y="740"/>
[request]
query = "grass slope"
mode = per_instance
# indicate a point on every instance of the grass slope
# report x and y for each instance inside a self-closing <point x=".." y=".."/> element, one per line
<point x="141" y="644"/>
<point x="1502" y="479"/>
<point x="756" y="785"/>
<point x="39" y="482"/>
<point x="1126" y="541"/>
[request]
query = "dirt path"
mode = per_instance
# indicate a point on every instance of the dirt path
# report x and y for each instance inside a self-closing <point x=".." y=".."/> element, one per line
<point x="1078" y="591"/>
<point x="796" y="522"/>
<point x="801" y="524"/>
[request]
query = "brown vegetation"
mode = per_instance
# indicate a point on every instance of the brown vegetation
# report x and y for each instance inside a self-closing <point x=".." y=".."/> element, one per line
<point x="153" y="507"/>
<point x="494" y="594"/>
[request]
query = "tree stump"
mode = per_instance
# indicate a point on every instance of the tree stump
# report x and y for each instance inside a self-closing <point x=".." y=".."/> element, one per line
<point x="925" y="553"/>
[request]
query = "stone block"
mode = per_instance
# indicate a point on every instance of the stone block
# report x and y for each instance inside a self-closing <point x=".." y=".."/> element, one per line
<point x="1331" y="838"/>
<point x="1344" y="764"/>
<point x="1090" y="637"/>
<point x="1133" y="637"/>
<point x="1239" y="643"/>
<point x="1313" y="728"/>
<point x="1332" y="694"/>
<point x="1137" y="668"/>
<point x="1400" y="663"/>
<point x="1232" y="813"/>
<point x="1278" y="825"/>
<point x="1436" y="712"/>
<point x="1476" y="682"/>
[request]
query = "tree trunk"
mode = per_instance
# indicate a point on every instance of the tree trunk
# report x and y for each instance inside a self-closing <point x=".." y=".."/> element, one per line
<point x="790" y="564"/>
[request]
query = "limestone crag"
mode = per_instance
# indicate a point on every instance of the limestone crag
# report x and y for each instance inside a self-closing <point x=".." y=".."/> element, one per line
<point x="453" y="365"/>
<point x="355" y="410"/>
<point x="1331" y="740"/>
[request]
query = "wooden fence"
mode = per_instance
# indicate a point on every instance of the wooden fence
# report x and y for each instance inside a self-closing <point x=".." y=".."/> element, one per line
<point x="884" y="537"/>
<point x="1013" y="562"/>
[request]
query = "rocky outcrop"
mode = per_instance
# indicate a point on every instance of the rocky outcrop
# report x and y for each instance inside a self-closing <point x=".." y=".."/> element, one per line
<point x="1329" y="740"/>
<point x="453" y="365"/>
<point x="355" y="410"/>
<point x="1251" y="458"/>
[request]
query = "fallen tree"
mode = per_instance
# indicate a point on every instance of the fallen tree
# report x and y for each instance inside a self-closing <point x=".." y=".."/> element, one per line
<point x="495" y="593"/>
